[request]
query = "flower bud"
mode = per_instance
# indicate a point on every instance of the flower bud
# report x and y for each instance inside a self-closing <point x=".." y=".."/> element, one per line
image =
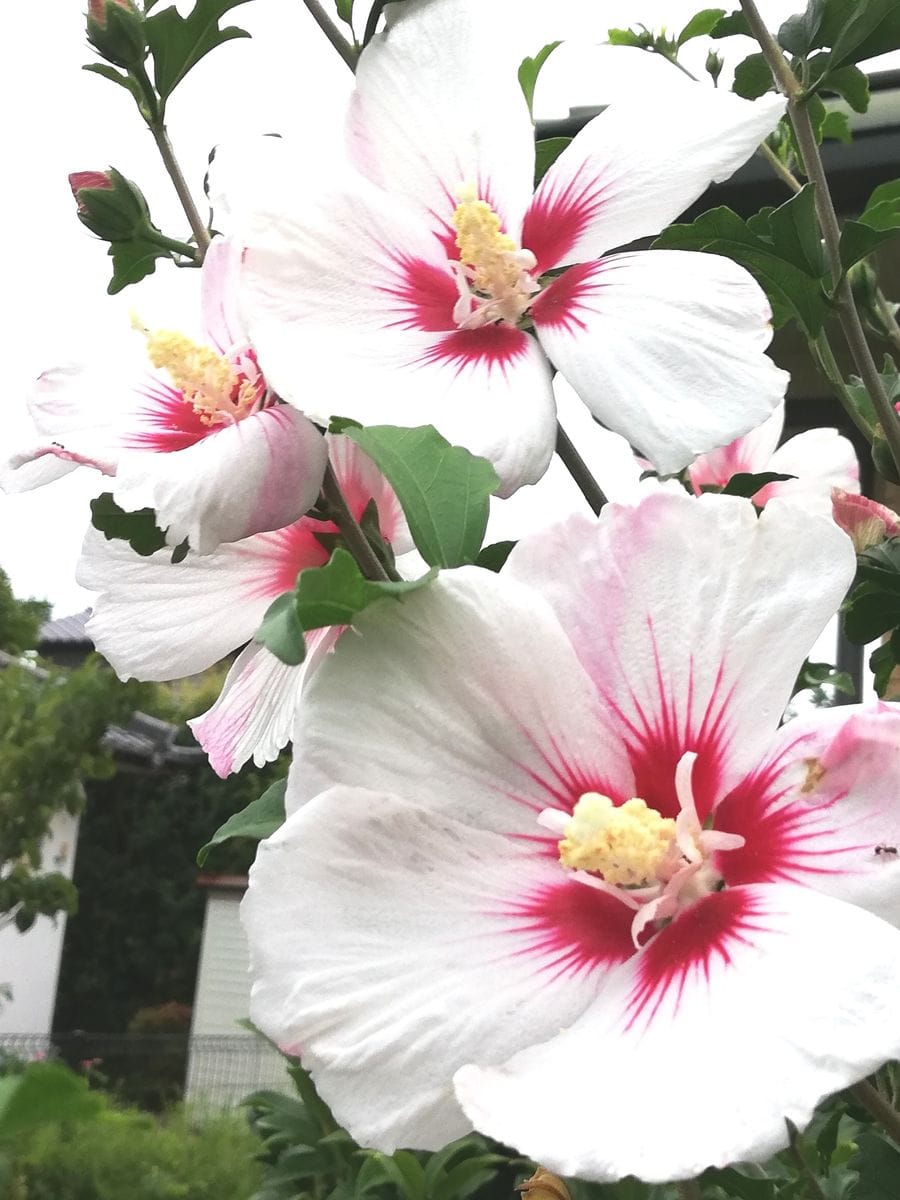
<point x="867" y="522"/>
<point x="544" y="1186"/>
<point x="115" y="28"/>
<point x="110" y="205"/>
<point x="714" y="65"/>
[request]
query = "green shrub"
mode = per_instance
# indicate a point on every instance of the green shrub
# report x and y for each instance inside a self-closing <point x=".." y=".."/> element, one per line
<point x="127" y="1155"/>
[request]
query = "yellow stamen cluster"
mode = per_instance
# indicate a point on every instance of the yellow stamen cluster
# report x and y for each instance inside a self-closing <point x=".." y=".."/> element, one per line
<point x="625" y="843"/>
<point x="482" y="244"/>
<point x="206" y="380"/>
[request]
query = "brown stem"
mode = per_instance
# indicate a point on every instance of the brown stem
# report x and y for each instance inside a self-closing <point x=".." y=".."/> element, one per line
<point x="354" y="538"/>
<point x="331" y="31"/>
<point x="196" y="222"/>
<point x="883" y="1112"/>
<point x="831" y="230"/>
<point x="578" y="469"/>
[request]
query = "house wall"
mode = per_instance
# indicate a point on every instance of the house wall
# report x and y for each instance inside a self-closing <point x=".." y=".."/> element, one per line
<point x="29" y="962"/>
<point x="225" y="1062"/>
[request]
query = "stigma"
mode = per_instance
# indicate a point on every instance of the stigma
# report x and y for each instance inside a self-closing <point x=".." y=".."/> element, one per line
<point x="493" y="274"/>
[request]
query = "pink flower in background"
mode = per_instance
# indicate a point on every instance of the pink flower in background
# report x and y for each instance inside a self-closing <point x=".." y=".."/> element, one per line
<point x="609" y="886"/>
<point x="865" y="521"/>
<point x="418" y="288"/>
<point x="200" y="439"/>
<point x="155" y="619"/>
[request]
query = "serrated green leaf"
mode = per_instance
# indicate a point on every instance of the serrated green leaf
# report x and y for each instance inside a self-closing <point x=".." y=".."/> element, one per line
<point x="258" y="820"/>
<point x="630" y="37"/>
<point x="847" y="81"/>
<point x="837" y="126"/>
<point x="856" y="31"/>
<point x="281" y="632"/>
<point x="138" y="528"/>
<point x="753" y="77"/>
<point x="878" y="223"/>
<point x="529" y="70"/>
<point x="443" y="489"/>
<point x="734" y="23"/>
<point x="792" y="291"/>
<point x="133" y="261"/>
<point x="336" y="593"/>
<point x="178" y="43"/>
<point x="546" y="152"/>
<point x="794" y="232"/>
<point x="700" y="25"/>
<point x="798" y="33"/>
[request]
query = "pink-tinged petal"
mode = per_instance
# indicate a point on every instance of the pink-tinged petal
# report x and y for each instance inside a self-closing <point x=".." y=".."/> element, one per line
<point x="865" y="521"/>
<point x="636" y="166"/>
<point x="361" y="482"/>
<point x="438" y="105"/>
<point x="693" y="618"/>
<point x="218" y="294"/>
<point x="665" y="347"/>
<point x="821" y="459"/>
<point x="388" y="990"/>
<point x="254" y="713"/>
<point x="155" y="619"/>
<point x="823" y="809"/>
<point x="33" y="467"/>
<point x="495" y="736"/>
<point x="750" y="454"/>
<point x="259" y="474"/>
<point x="695" y="1040"/>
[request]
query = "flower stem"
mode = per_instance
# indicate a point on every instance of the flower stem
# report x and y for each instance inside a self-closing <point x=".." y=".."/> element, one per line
<point x="828" y="222"/>
<point x="331" y="31"/>
<point x="883" y="1112"/>
<point x="578" y="469"/>
<point x="167" y="154"/>
<point x="354" y="538"/>
<point x="784" y="173"/>
<point x="372" y="22"/>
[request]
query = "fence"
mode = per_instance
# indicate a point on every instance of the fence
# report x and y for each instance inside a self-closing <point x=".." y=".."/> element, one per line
<point x="209" y="1071"/>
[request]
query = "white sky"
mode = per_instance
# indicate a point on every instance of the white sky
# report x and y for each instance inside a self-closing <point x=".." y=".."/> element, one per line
<point x="56" y="272"/>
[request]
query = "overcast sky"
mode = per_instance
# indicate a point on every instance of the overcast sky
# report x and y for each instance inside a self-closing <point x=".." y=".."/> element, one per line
<point x="69" y="120"/>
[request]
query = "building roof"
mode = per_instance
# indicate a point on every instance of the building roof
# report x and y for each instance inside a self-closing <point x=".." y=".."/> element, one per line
<point x="69" y="631"/>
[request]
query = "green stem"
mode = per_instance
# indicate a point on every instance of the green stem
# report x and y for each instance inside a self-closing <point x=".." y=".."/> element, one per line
<point x="196" y="222"/>
<point x="331" y="31"/>
<point x="578" y="469"/>
<point x="372" y="22"/>
<point x="828" y="222"/>
<point x="784" y="173"/>
<point x="886" y="312"/>
<point x="354" y="538"/>
<point x="883" y="1112"/>
<point x="167" y="243"/>
<point x="820" y="348"/>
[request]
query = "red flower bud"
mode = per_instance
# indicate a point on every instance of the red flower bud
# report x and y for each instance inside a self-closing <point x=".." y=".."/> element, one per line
<point x="867" y="522"/>
<point x="97" y="9"/>
<point x="88" y="179"/>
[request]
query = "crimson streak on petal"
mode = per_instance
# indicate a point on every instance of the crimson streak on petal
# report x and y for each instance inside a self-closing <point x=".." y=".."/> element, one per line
<point x="491" y="346"/>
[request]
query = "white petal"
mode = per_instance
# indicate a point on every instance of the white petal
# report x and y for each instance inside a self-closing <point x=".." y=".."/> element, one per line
<point x="696" y="1053"/>
<point x="218" y="295"/>
<point x="261" y="473"/>
<point x="255" y="711"/>
<point x="438" y="104"/>
<point x="502" y="722"/>
<point x="636" y="166"/>
<point x="693" y="618"/>
<point x="155" y="619"/>
<point x="665" y="347"/>
<point x="386" y="990"/>
<point x="32" y="467"/>
<point x="821" y="459"/>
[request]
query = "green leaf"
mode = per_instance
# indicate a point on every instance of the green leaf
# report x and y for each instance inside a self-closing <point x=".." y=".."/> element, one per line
<point x="442" y="489"/>
<point x="836" y="125"/>
<point x="857" y="31"/>
<point x="335" y="593"/>
<point x="258" y="820"/>
<point x="44" y="1092"/>
<point x="546" y="152"/>
<point x="529" y="70"/>
<point x="700" y="25"/>
<point x="859" y="394"/>
<point x="792" y="290"/>
<point x="493" y="557"/>
<point x="281" y="632"/>
<point x="736" y="22"/>
<point x="345" y="10"/>
<point x="798" y="33"/>
<point x="133" y="261"/>
<point x="139" y="528"/>
<point x="642" y="39"/>
<point x="794" y="231"/>
<point x="178" y="43"/>
<point x="878" y="1164"/>
<point x="847" y="81"/>
<point x="878" y="223"/>
<point x="873" y="605"/>
<point x="747" y="485"/>
<point x="753" y="77"/>
<point x="883" y="661"/>
<point x="126" y="81"/>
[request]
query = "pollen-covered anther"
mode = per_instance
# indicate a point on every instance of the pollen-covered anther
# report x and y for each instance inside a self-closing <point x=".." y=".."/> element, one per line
<point x="493" y="273"/>
<point x="207" y="381"/>
<point x="625" y="844"/>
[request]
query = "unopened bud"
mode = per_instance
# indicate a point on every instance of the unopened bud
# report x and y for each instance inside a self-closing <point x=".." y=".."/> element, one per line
<point x="115" y="28"/>
<point x="714" y="65"/>
<point x="865" y="521"/>
<point x="110" y="205"/>
<point x="544" y="1186"/>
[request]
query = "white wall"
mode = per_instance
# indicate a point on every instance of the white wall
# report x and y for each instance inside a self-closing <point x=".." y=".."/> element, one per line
<point x="29" y="962"/>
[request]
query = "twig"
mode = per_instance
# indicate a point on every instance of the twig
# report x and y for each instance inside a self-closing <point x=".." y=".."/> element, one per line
<point x="356" y="541"/>
<point x="372" y="23"/>
<point x="331" y="31"/>
<point x="167" y="154"/>
<point x="578" y="469"/>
